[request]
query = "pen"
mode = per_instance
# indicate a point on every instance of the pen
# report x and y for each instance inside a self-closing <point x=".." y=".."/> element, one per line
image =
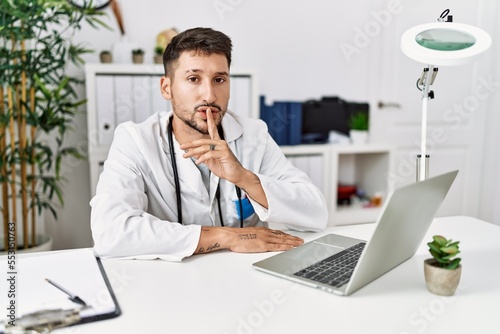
<point x="72" y="297"/>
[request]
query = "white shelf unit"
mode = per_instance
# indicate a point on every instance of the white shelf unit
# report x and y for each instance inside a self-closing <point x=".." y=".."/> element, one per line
<point x="365" y="166"/>
<point x="120" y="92"/>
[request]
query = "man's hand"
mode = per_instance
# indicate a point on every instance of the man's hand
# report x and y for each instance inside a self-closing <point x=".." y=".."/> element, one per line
<point x="262" y="239"/>
<point x="245" y="240"/>
<point x="216" y="154"/>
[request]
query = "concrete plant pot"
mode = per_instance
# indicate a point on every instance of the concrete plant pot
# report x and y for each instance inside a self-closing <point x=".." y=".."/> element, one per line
<point x="137" y="58"/>
<point x="158" y="59"/>
<point x="106" y="58"/>
<point x="441" y="281"/>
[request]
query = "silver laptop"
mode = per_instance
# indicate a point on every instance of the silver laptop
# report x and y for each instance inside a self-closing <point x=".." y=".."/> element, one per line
<point x="342" y="265"/>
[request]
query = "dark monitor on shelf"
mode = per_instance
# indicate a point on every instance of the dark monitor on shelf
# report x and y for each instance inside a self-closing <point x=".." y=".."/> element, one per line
<point x="319" y="117"/>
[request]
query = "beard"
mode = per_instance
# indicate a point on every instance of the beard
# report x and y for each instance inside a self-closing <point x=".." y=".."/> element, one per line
<point x="188" y="116"/>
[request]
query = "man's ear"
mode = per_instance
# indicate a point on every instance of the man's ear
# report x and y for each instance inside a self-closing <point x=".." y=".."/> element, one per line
<point x="165" y="87"/>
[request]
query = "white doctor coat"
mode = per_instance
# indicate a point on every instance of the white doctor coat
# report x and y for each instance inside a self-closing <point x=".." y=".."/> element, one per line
<point x="134" y="211"/>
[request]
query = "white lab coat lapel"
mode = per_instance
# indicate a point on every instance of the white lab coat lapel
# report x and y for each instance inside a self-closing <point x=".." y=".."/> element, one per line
<point x="189" y="174"/>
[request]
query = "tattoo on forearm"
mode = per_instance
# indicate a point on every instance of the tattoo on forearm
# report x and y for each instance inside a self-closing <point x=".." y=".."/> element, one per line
<point x="213" y="247"/>
<point x="247" y="236"/>
<point x="209" y="248"/>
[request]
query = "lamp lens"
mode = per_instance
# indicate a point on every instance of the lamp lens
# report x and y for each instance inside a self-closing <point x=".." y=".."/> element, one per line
<point x="445" y="39"/>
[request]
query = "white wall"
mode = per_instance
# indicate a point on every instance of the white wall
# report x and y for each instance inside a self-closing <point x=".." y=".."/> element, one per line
<point x="490" y="199"/>
<point x="293" y="46"/>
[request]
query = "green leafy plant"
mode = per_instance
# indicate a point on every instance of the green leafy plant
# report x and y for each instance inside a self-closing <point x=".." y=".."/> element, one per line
<point x="137" y="51"/>
<point x="158" y="50"/>
<point x="359" y="121"/>
<point x="38" y="106"/>
<point x="444" y="252"/>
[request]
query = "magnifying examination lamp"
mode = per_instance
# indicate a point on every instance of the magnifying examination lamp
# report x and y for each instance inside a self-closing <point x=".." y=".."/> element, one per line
<point x="442" y="43"/>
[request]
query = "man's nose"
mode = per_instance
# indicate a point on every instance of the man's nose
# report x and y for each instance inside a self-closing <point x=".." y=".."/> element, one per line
<point x="208" y="93"/>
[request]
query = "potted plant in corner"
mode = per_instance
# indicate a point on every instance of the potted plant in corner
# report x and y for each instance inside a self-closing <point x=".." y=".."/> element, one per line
<point x="137" y="56"/>
<point x="443" y="270"/>
<point x="358" y="127"/>
<point x="106" y="57"/>
<point x="158" y="54"/>
<point x="38" y="106"/>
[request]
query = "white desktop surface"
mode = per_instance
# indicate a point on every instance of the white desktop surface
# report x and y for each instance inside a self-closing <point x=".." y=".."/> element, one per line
<point x="221" y="293"/>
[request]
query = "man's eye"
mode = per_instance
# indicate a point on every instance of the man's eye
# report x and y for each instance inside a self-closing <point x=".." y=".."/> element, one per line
<point x="193" y="79"/>
<point x="220" y="80"/>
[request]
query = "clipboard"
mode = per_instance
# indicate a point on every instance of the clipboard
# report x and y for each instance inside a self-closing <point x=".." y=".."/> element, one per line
<point x="78" y="271"/>
<point x="109" y="315"/>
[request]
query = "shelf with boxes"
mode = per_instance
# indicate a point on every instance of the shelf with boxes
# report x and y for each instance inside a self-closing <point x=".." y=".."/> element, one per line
<point x="364" y="167"/>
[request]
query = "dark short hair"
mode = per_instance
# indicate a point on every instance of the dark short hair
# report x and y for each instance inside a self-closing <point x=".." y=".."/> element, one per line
<point x="200" y="40"/>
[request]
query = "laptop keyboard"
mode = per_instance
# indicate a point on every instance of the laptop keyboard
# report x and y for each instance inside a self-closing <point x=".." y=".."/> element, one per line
<point x="335" y="270"/>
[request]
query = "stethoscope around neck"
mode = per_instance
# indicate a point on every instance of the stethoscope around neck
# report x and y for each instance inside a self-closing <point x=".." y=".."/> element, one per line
<point x="178" y="186"/>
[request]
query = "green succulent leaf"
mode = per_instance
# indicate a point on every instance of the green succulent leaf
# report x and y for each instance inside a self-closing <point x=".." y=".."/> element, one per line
<point x="434" y="248"/>
<point x="452" y="250"/>
<point x="440" y="240"/>
<point x="444" y="252"/>
<point x="454" y="264"/>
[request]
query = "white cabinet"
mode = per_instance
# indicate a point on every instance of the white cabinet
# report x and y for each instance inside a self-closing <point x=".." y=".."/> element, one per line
<point x="328" y="165"/>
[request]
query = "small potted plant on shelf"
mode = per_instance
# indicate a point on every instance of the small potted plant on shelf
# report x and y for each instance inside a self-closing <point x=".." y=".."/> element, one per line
<point x="158" y="54"/>
<point x="358" y="127"/>
<point x="106" y="56"/>
<point x="137" y="56"/>
<point x="442" y="271"/>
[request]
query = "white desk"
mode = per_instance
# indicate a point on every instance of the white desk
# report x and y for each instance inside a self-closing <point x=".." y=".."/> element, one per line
<point x="221" y="293"/>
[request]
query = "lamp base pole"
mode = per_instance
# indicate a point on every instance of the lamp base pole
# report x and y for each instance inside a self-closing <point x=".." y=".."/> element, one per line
<point x="422" y="167"/>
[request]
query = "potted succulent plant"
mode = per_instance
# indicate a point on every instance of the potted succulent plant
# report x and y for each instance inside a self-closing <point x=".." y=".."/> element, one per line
<point x="443" y="270"/>
<point x="106" y="56"/>
<point x="137" y="56"/>
<point x="158" y="54"/>
<point x="358" y="127"/>
<point x="37" y="109"/>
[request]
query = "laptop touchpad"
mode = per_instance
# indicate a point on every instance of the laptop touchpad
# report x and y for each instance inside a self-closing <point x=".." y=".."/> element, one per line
<point x="310" y="253"/>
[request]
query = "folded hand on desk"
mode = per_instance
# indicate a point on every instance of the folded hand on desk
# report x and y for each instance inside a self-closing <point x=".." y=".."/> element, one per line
<point x="245" y="240"/>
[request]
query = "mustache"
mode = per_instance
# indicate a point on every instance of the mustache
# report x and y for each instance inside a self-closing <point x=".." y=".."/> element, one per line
<point x="210" y="105"/>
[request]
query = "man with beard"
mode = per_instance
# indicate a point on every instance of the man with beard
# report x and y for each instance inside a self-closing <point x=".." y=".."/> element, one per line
<point x="199" y="178"/>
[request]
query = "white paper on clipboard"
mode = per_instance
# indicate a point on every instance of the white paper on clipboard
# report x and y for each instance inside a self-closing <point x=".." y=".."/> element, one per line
<point x="78" y="271"/>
